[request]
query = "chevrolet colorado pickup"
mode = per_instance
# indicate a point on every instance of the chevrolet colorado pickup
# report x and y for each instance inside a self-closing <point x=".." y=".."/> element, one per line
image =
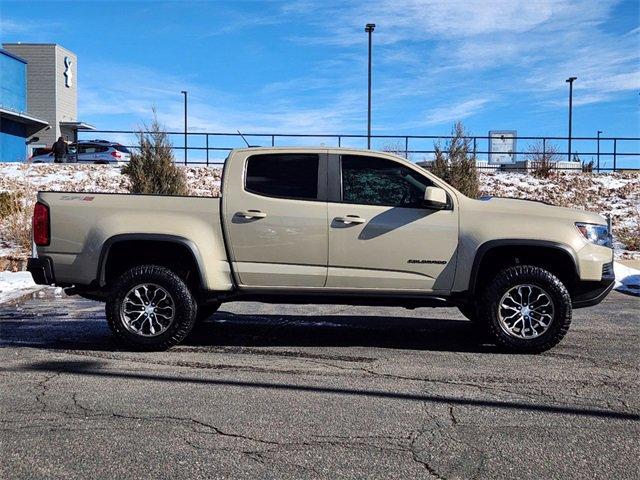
<point x="323" y="225"/>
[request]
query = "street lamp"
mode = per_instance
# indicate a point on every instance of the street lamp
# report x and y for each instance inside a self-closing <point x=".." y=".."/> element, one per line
<point x="369" y="29"/>
<point x="598" y="151"/>
<point x="184" y="92"/>
<point x="570" y="81"/>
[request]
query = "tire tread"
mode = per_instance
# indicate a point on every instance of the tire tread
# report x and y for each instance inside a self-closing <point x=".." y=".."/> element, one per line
<point x="532" y="274"/>
<point x="186" y="308"/>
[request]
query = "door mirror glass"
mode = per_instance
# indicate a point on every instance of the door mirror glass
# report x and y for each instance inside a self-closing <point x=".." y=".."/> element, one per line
<point x="435" y="197"/>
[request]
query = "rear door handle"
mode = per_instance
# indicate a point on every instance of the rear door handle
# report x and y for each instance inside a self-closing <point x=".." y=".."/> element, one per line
<point x="349" y="219"/>
<point x="251" y="214"/>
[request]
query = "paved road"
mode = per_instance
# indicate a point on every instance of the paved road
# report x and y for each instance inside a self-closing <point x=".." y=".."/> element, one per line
<point x="275" y="391"/>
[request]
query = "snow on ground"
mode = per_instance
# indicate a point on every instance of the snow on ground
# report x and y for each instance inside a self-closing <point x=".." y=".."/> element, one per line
<point x="627" y="279"/>
<point x="23" y="177"/>
<point x="16" y="284"/>
<point x="33" y="177"/>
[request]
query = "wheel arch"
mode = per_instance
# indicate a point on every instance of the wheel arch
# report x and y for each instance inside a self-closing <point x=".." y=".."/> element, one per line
<point x="505" y="251"/>
<point x="183" y="245"/>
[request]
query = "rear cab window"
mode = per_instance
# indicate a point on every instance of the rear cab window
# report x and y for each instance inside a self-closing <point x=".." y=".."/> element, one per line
<point x="283" y="175"/>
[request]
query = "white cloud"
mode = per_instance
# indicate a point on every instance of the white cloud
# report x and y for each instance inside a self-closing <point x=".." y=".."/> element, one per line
<point x="442" y="46"/>
<point x="458" y="111"/>
<point x="111" y="92"/>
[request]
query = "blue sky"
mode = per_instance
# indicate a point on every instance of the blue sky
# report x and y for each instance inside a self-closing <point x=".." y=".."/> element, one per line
<point x="300" y="66"/>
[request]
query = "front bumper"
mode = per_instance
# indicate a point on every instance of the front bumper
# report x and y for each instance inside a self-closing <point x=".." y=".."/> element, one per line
<point x="41" y="269"/>
<point x="589" y="293"/>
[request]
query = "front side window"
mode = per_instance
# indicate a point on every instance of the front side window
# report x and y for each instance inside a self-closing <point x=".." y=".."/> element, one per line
<point x="378" y="181"/>
<point x="284" y="175"/>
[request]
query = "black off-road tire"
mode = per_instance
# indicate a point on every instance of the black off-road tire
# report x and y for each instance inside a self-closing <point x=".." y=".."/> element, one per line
<point x="526" y="274"/>
<point x="185" y="307"/>
<point x="205" y="311"/>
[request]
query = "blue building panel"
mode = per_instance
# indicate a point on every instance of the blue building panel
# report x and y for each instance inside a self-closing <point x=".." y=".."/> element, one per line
<point x="13" y="96"/>
<point x="12" y="141"/>
<point x="13" y="82"/>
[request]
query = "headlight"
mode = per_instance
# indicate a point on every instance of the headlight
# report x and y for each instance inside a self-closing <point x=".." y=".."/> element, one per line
<point x="598" y="234"/>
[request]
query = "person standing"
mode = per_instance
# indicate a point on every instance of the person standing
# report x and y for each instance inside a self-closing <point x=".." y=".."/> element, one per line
<point x="60" y="150"/>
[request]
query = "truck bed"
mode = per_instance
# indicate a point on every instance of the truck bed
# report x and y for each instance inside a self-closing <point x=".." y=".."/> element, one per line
<point x="82" y="223"/>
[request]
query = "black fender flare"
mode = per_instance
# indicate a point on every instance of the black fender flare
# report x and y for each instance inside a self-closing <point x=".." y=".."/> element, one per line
<point x="489" y="245"/>
<point x="111" y="241"/>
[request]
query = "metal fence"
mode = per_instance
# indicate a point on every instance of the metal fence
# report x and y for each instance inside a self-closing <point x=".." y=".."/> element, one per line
<point x="605" y="154"/>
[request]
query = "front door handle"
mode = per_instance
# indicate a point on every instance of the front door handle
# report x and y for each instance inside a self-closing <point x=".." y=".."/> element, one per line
<point x="251" y="214"/>
<point x="349" y="219"/>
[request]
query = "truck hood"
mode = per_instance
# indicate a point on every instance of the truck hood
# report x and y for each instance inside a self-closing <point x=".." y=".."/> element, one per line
<point x="536" y="208"/>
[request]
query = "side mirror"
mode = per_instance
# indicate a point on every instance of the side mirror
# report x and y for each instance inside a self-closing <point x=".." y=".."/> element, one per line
<point x="435" y="197"/>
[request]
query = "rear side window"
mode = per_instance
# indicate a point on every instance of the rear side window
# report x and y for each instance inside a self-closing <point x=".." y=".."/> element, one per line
<point x="88" y="148"/>
<point x="286" y="175"/>
<point x="121" y="148"/>
<point x="378" y="181"/>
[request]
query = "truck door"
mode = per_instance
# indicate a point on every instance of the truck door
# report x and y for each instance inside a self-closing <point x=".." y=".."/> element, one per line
<point x="380" y="235"/>
<point x="276" y="219"/>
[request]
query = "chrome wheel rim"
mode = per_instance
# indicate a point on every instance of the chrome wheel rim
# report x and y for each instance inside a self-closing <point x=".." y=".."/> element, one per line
<point x="525" y="311"/>
<point x="147" y="310"/>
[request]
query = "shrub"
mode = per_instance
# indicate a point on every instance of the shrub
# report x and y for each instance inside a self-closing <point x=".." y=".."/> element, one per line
<point x="587" y="167"/>
<point x="457" y="167"/>
<point x="630" y="236"/>
<point x="543" y="158"/>
<point x="440" y="165"/>
<point x="152" y="169"/>
<point x="9" y="204"/>
<point x="397" y="148"/>
<point x="17" y="226"/>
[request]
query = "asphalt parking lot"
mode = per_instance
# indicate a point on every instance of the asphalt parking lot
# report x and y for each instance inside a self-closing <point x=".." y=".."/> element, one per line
<point x="278" y="391"/>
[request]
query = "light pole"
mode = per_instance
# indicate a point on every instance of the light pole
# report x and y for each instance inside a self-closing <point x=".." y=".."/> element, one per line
<point x="570" y="81"/>
<point x="184" y="92"/>
<point x="369" y="29"/>
<point x="598" y="151"/>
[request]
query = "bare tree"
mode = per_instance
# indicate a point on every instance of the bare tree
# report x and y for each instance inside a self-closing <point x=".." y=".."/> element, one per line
<point x="543" y="158"/>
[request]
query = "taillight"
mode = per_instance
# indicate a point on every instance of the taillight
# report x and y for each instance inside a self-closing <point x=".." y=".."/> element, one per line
<point x="116" y="154"/>
<point x="41" y="228"/>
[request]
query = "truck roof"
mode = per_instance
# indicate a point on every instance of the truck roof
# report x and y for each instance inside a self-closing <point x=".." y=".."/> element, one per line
<point x="312" y="149"/>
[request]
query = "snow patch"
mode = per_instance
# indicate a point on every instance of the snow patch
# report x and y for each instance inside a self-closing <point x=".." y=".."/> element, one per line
<point x="627" y="279"/>
<point x="16" y="284"/>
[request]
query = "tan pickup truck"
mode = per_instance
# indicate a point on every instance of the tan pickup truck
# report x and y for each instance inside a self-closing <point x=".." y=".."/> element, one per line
<point x="323" y="225"/>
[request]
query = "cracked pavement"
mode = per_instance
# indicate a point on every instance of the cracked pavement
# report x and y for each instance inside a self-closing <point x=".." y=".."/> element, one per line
<point x="312" y="391"/>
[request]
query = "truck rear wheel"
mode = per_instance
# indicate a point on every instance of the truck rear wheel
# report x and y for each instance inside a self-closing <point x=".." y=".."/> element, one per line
<point x="527" y="309"/>
<point x="150" y="308"/>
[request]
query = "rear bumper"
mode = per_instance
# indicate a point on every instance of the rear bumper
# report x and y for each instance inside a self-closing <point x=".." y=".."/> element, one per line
<point x="41" y="270"/>
<point x="589" y="293"/>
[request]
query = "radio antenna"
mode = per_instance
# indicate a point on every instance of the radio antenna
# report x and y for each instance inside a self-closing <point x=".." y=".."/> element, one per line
<point x="245" y="140"/>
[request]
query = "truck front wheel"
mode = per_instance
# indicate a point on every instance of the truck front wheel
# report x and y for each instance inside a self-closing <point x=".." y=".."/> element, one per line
<point x="150" y="308"/>
<point x="206" y="310"/>
<point x="527" y="309"/>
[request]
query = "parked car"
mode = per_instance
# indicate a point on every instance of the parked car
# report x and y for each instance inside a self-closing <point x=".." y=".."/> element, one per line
<point x="42" y="157"/>
<point x="102" y="152"/>
<point x="318" y="225"/>
<point x="88" y="151"/>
